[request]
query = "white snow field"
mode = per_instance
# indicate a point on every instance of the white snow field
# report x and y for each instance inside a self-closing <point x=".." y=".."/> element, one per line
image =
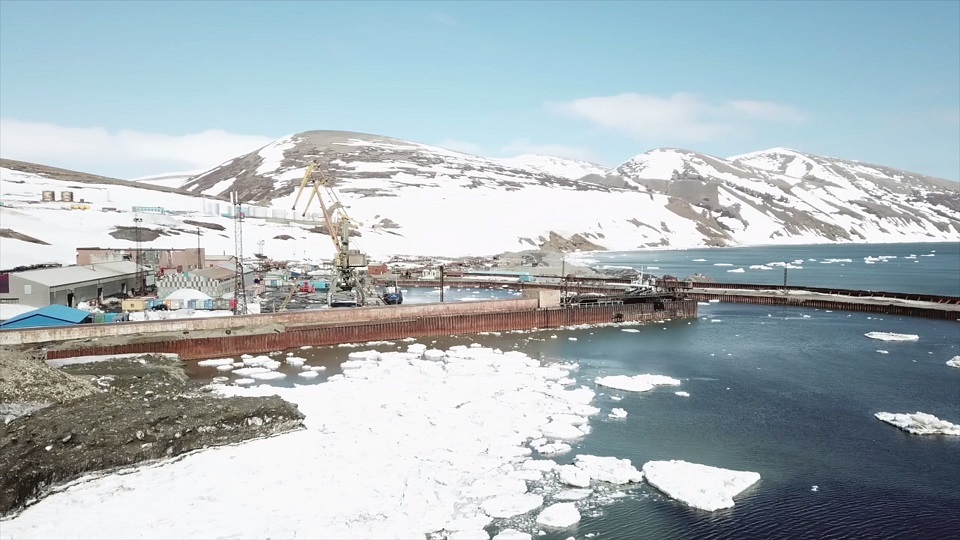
<point x="699" y="486"/>
<point x="397" y="446"/>
<point x="919" y="423"/>
<point x="891" y="336"/>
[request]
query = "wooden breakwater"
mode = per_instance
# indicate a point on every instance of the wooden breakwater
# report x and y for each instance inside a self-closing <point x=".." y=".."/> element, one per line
<point x="388" y="328"/>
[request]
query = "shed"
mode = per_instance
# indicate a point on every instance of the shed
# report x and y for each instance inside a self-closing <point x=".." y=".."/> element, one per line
<point x="52" y="315"/>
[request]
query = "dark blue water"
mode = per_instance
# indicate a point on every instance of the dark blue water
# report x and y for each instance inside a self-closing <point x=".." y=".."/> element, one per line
<point x="930" y="268"/>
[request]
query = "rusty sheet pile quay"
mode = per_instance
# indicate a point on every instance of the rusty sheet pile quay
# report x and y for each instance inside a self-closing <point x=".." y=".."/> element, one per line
<point x="228" y="336"/>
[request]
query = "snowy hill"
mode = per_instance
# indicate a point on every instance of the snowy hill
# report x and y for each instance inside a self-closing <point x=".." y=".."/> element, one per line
<point x="572" y="169"/>
<point x="411" y="198"/>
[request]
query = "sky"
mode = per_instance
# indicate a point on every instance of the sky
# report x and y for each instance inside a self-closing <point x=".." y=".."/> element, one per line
<point x="131" y="89"/>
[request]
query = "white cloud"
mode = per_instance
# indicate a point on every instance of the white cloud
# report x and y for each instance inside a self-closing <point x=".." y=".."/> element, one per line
<point x="461" y="146"/>
<point x="682" y="116"/>
<point x="124" y="153"/>
<point x="525" y="146"/>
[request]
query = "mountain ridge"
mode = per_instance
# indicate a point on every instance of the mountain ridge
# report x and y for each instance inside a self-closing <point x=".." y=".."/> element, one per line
<point x="418" y="199"/>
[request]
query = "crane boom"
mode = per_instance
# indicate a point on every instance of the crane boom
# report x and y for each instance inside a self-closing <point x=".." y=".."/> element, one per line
<point x="347" y="286"/>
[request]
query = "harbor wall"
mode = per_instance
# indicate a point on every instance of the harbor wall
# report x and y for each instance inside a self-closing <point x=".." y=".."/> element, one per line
<point x="438" y="323"/>
<point x="862" y="307"/>
<point x="320" y="316"/>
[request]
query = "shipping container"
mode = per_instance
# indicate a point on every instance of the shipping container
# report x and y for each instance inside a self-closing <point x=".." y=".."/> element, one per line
<point x="98" y="318"/>
<point x="133" y="304"/>
<point x="110" y="317"/>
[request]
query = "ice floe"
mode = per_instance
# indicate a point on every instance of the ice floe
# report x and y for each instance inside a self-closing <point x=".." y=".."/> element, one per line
<point x="636" y="383"/>
<point x="617" y="413"/>
<point x="512" y="534"/>
<point x="699" y="486"/>
<point x="681" y="393"/>
<point x="216" y="362"/>
<point x="559" y="516"/>
<point x="919" y="423"/>
<point x="511" y="504"/>
<point x="890" y="336"/>
<point x="954" y="362"/>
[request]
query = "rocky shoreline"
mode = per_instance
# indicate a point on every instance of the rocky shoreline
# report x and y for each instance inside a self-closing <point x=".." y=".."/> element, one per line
<point x="95" y="417"/>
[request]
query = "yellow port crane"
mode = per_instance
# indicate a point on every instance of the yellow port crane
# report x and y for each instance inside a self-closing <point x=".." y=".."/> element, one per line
<point x="347" y="287"/>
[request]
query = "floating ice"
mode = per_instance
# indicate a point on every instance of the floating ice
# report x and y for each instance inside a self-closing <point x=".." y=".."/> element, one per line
<point x="682" y="393"/>
<point x="511" y="534"/>
<point x="608" y="469"/>
<point x="416" y="348"/>
<point x="954" y="362"/>
<point x="553" y="449"/>
<point x="736" y="271"/>
<point x="637" y="383"/>
<point x="618" y="413"/>
<point x="920" y="423"/>
<point x="631" y="330"/>
<point x="573" y="476"/>
<point x="572" y="494"/>
<point x="308" y="374"/>
<point x="243" y="381"/>
<point x="890" y="336"/>
<point x="215" y="362"/>
<point x="295" y="360"/>
<point x="257" y="360"/>
<point x="559" y="516"/>
<point x="539" y="464"/>
<point x="227" y="367"/>
<point x="268" y="376"/>
<point x="881" y="351"/>
<point x="700" y="486"/>
<point x="511" y="504"/>
<point x="250" y="371"/>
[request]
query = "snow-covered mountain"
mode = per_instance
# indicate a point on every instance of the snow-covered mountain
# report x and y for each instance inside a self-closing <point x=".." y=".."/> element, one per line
<point x="572" y="169"/>
<point x="411" y="198"/>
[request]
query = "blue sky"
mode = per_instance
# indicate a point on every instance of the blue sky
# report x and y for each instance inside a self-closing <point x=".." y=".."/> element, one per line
<point x="135" y="88"/>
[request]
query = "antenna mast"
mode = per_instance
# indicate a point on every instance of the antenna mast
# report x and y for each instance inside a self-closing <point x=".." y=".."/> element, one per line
<point x="140" y="281"/>
<point x="239" y="287"/>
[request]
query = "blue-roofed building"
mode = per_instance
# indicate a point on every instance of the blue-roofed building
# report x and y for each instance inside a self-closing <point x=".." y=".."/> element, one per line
<point x="53" y="315"/>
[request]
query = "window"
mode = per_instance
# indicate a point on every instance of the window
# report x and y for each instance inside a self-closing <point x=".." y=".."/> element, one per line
<point x="28" y="289"/>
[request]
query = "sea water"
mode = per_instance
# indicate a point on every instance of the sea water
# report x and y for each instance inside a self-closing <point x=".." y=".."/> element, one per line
<point x="787" y="392"/>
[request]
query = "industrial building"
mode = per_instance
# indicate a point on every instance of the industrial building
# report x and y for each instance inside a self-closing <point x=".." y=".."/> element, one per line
<point x="215" y="281"/>
<point x="70" y="285"/>
<point x="163" y="260"/>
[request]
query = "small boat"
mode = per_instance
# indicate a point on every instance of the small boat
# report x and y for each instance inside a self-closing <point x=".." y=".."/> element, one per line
<point x="392" y="295"/>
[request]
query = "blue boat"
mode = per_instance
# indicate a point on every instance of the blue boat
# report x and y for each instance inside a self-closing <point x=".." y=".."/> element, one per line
<point x="392" y="295"/>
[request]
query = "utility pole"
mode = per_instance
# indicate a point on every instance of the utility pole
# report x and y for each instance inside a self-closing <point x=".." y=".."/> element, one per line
<point x="784" y="277"/>
<point x="199" y="262"/>
<point x="140" y="282"/>
<point x="239" y="287"/>
<point x="441" y="283"/>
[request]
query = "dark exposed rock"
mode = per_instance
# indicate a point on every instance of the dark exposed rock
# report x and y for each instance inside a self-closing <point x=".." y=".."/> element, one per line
<point x="146" y="409"/>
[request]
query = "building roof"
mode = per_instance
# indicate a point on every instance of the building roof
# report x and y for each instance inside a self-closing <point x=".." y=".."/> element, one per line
<point x="52" y="315"/>
<point x="214" y="272"/>
<point x="66" y="275"/>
